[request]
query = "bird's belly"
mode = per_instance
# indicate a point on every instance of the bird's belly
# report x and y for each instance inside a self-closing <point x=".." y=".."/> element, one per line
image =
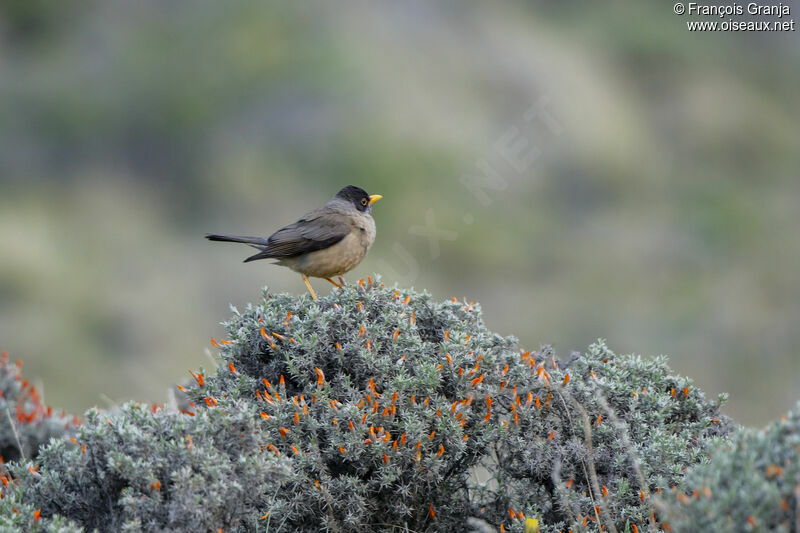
<point x="335" y="260"/>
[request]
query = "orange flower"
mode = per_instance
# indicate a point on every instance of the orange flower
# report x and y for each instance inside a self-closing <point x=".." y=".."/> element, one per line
<point x="199" y="377"/>
<point x="320" y="377"/>
<point x="283" y="431"/>
<point x="774" y="470"/>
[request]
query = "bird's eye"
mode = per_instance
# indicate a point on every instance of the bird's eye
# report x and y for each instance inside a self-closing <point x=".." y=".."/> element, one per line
<point x="364" y="201"/>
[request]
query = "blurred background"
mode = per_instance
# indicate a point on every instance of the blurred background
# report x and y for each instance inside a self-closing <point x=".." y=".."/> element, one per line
<point x="582" y="170"/>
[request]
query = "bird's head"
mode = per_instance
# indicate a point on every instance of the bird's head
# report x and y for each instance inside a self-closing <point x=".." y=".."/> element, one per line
<point x="358" y="198"/>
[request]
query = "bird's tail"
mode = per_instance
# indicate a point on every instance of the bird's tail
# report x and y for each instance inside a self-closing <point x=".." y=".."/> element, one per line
<point x="259" y="241"/>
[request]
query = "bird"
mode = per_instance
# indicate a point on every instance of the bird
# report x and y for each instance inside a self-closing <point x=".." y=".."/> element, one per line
<point x="324" y="243"/>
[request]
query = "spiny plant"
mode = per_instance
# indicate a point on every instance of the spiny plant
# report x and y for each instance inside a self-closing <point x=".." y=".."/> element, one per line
<point x="151" y="469"/>
<point x="25" y="422"/>
<point x="751" y="483"/>
<point x="402" y="412"/>
<point x="375" y="409"/>
<point x="27" y="425"/>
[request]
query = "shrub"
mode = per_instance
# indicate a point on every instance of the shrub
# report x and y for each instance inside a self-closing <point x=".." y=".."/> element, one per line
<point x="376" y="410"/>
<point x="751" y="483"/>
<point x="25" y="423"/>
<point x="151" y="469"/>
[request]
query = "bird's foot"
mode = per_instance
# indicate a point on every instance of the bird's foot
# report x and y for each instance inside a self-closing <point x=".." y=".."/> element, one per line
<point x="342" y="281"/>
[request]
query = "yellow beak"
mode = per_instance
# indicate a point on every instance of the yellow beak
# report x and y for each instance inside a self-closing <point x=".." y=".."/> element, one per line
<point x="374" y="198"/>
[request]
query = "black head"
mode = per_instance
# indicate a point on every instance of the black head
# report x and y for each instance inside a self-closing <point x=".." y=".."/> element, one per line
<point x="358" y="197"/>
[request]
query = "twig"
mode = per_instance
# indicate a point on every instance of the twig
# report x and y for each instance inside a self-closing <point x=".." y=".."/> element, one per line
<point x="16" y="435"/>
<point x="623" y="433"/>
<point x="587" y="433"/>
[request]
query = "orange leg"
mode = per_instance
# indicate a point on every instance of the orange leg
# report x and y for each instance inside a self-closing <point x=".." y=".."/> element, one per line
<point x="333" y="282"/>
<point x="309" y="287"/>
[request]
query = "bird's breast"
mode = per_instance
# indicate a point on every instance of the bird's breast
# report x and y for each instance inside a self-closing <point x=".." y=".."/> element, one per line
<point x="342" y="257"/>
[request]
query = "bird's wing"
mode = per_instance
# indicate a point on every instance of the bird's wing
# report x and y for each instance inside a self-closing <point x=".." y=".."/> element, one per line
<point x="315" y="231"/>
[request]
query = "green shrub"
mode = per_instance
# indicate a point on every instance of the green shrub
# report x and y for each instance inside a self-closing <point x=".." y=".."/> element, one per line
<point x="378" y="410"/>
<point x="25" y="423"/>
<point x="145" y="469"/>
<point x="751" y="483"/>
